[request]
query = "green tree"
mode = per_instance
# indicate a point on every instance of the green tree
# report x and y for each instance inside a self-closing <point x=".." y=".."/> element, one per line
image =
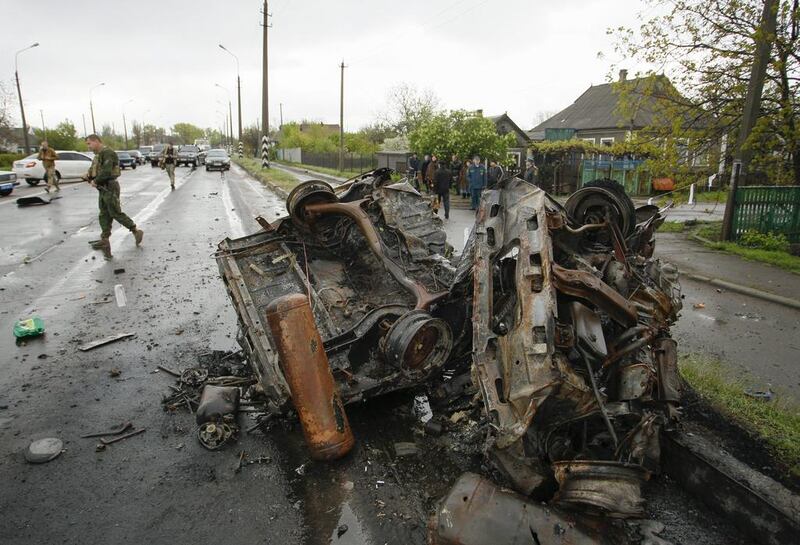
<point x="63" y="136"/>
<point x="706" y="48"/>
<point x="187" y="133"/>
<point x="460" y="133"/>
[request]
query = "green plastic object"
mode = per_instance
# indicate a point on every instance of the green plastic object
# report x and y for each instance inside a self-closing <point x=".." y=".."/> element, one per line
<point x="32" y="327"/>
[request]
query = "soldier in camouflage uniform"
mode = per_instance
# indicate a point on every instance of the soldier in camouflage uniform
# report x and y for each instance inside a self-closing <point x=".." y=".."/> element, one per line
<point x="103" y="175"/>
<point x="168" y="163"/>
<point x="48" y="156"/>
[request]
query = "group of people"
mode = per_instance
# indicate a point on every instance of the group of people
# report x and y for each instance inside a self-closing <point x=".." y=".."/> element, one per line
<point x="466" y="178"/>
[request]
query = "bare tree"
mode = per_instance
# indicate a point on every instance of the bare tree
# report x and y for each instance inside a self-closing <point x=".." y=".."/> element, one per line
<point x="6" y="113"/>
<point x="408" y="107"/>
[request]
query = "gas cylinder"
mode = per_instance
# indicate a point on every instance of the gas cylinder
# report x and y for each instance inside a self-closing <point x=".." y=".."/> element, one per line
<point x="308" y="374"/>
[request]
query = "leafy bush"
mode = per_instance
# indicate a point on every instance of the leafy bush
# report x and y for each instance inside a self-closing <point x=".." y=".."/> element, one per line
<point x="7" y="159"/>
<point x="776" y="242"/>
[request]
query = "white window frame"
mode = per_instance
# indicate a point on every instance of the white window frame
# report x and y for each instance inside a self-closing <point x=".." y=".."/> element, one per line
<point x="607" y="141"/>
<point x="517" y="157"/>
<point x="592" y="140"/>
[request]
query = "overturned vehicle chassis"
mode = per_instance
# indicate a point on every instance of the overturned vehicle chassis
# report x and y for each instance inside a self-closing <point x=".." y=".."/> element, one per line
<point x="560" y="313"/>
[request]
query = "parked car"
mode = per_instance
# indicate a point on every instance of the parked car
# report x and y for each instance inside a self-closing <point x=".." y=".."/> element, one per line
<point x="126" y="160"/>
<point x="155" y="154"/>
<point x="70" y="165"/>
<point x="188" y="155"/>
<point x="217" y="159"/>
<point x="145" y="151"/>
<point x="8" y="180"/>
<point x="137" y="155"/>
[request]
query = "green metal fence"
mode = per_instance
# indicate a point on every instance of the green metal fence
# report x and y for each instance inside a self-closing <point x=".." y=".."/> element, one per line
<point x="768" y="209"/>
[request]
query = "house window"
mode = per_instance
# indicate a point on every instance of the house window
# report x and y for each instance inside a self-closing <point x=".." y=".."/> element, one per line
<point x="607" y="141"/>
<point x="516" y="157"/>
<point x="682" y="150"/>
<point x="590" y="140"/>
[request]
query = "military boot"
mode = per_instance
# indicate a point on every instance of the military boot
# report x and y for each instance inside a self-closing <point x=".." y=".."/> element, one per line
<point x="138" y="235"/>
<point x="104" y="245"/>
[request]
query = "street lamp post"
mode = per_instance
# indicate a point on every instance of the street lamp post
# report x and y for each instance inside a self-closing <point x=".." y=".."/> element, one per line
<point x="124" y="123"/>
<point x="19" y="92"/>
<point x="91" y="106"/>
<point x="230" y="113"/>
<point x="144" y="138"/>
<point x="238" y="88"/>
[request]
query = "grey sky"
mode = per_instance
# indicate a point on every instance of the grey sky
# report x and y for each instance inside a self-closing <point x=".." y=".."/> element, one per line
<point x="499" y="55"/>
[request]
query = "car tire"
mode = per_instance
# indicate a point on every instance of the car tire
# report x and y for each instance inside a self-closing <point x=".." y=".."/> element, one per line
<point x="32" y="182"/>
<point x="6" y="192"/>
<point x="207" y="169"/>
<point x="133" y="166"/>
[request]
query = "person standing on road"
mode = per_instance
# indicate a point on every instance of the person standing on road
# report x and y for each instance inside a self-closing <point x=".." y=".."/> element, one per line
<point x="441" y="185"/>
<point x="430" y="171"/>
<point x="413" y="167"/>
<point x="421" y="173"/>
<point x="476" y="179"/>
<point x="168" y="163"/>
<point x="455" y="170"/>
<point x="103" y="176"/>
<point x="463" y="188"/>
<point x="531" y="172"/>
<point x="494" y="174"/>
<point x="48" y="156"/>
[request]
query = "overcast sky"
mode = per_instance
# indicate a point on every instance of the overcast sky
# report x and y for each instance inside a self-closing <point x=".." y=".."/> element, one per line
<point x="519" y="56"/>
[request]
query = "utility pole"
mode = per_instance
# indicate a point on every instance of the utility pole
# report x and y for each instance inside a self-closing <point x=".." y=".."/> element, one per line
<point x="265" y="89"/>
<point x="341" y="118"/>
<point x="85" y="134"/>
<point x="124" y="123"/>
<point x="281" y="108"/>
<point x="238" y="89"/>
<point x="44" y="129"/>
<point x="752" y="105"/>
<point x="91" y="106"/>
<point x="19" y="92"/>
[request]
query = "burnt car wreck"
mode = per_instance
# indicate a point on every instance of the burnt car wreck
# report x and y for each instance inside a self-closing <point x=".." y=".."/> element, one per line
<point x="559" y="314"/>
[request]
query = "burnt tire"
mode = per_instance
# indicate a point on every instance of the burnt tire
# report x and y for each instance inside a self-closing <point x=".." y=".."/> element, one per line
<point x="589" y="204"/>
<point x="32" y="182"/>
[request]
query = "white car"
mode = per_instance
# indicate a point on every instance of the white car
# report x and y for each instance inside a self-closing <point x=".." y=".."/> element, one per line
<point x="70" y="165"/>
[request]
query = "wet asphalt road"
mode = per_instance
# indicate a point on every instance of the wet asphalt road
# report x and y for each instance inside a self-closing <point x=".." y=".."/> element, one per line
<point x="161" y="486"/>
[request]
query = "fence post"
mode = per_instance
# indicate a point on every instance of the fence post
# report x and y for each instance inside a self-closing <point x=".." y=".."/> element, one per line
<point x="691" y="194"/>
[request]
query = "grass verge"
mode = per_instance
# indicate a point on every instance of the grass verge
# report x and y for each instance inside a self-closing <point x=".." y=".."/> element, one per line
<point x="323" y="170"/>
<point x="776" y="258"/>
<point x="672" y="227"/>
<point x="776" y="422"/>
<point x="279" y="178"/>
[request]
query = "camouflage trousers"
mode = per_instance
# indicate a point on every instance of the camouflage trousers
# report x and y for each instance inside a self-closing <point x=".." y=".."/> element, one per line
<point x="52" y="179"/>
<point x="170" y="168"/>
<point x="110" y="209"/>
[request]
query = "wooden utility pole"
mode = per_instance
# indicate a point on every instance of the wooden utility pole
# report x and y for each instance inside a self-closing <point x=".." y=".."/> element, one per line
<point x="341" y="118"/>
<point x="265" y="89"/>
<point x="752" y="105"/>
<point x="281" y="109"/>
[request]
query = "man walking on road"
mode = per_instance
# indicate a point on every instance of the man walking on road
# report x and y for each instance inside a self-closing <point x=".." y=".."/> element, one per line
<point x="48" y="156"/>
<point x="168" y="163"/>
<point x="441" y="185"/>
<point x="476" y="179"/>
<point x="103" y="175"/>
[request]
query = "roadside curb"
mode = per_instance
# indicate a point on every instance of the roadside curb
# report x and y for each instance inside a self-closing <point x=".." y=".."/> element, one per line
<point x="738" y="288"/>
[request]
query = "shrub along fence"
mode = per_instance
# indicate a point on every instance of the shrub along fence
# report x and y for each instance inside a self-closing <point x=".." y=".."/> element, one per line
<point x="360" y="163"/>
<point x="768" y="209"/>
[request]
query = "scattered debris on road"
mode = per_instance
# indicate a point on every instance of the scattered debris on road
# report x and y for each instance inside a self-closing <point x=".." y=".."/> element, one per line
<point x="29" y="327"/>
<point x="44" y="450"/>
<point x="105" y="340"/>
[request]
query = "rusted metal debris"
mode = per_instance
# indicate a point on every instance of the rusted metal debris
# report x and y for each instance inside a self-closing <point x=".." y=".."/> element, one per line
<point x="560" y="314"/>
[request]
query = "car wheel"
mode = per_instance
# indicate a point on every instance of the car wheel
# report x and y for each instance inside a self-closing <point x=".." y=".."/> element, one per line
<point x="133" y="166"/>
<point x="32" y="182"/>
<point x="6" y="192"/>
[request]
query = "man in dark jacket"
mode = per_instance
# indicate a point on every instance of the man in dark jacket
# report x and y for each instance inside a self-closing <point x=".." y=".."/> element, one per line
<point x="455" y="170"/>
<point x="494" y="174"/>
<point x="413" y="167"/>
<point x="476" y="180"/>
<point x="531" y="172"/>
<point x="422" y="169"/>
<point x="441" y="185"/>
